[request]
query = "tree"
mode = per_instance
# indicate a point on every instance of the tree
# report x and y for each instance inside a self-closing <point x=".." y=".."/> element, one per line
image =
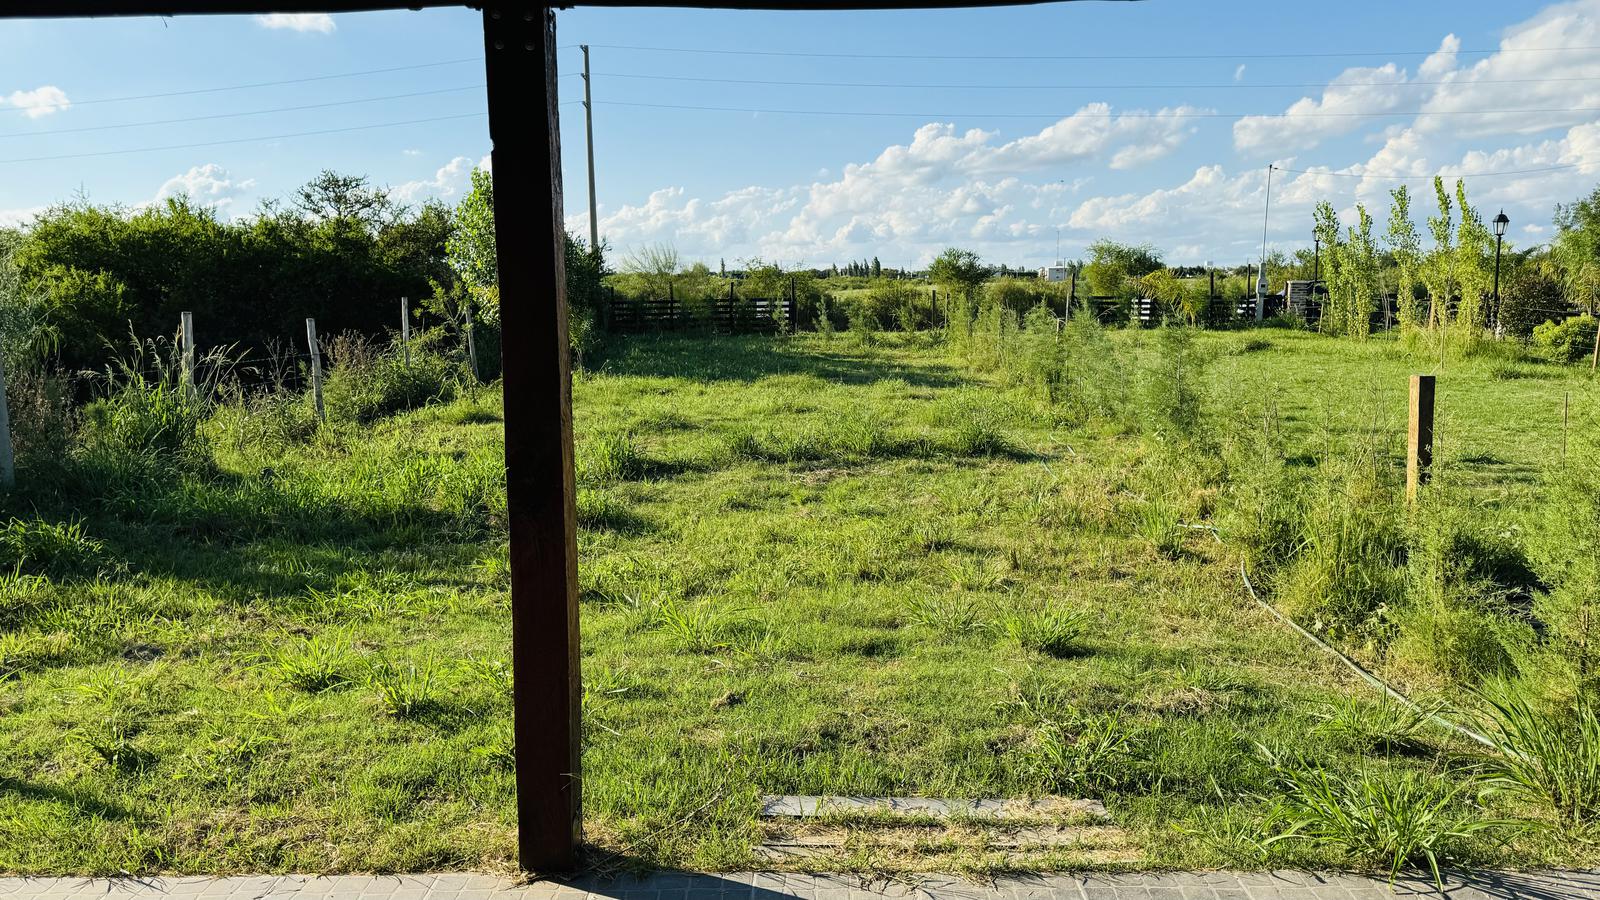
<point x="1334" y="303"/>
<point x="1577" y="250"/>
<point x="651" y="268"/>
<point x="958" y="270"/>
<point x="345" y="199"/>
<point x="1406" y="247"/>
<point x="470" y="247"/>
<point x="1438" y="268"/>
<point x="1474" y="269"/>
<point x="1112" y="267"/>
<point x="877" y="268"/>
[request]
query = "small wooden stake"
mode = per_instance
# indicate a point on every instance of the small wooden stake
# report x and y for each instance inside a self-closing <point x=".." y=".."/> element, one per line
<point x="186" y="332"/>
<point x="405" y="330"/>
<point x="316" y="367"/>
<point x="472" y="346"/>
<point x="8" y="467"/>
<point x="1419" y="435"/>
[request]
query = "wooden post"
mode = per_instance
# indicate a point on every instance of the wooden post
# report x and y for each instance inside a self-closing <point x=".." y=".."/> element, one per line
<point x="520" y="58"/>
<point x="1419" y="435"/>
<point x="1566" y="408"/>
<point x="186" y="331"/>
<point x="8" y="465"/>
<point x="672" y="304"/>
<point x="316" y="367"/>
<point x="1595" y="359"/>
<point x="472" y="345"/>
<point x="405" y="330"/>
<point x="933" y="300"/>
<point x="788" y="312"/>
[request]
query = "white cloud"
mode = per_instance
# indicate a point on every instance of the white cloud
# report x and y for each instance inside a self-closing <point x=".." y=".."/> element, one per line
<point x="318" y="22"/>
<point x="448" y="181"/>
<point x="14" y="218"/>
<point x="1238" y="74"/>
<point x="1308" y="122"/>
<point x="41" y="101"/>
<point x="209" y="184"/>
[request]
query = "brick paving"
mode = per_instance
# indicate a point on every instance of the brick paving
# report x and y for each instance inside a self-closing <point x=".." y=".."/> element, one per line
<point x="775" y="886"/>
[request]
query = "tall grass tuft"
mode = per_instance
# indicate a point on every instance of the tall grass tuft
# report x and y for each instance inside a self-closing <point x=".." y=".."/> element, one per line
<point x="1391" y="821"/>
<point x="1551" y="760"/>
<point x="1052" y="630"/>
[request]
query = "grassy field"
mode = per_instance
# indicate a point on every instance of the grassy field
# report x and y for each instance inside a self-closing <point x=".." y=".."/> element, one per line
<point x="807" y="566"/>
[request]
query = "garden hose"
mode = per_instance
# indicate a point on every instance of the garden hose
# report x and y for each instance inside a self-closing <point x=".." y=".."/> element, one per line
<point x="1354" y="666"/>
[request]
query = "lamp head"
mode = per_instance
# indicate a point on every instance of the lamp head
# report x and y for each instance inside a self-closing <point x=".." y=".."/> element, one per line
<point x="1500" y="223"/>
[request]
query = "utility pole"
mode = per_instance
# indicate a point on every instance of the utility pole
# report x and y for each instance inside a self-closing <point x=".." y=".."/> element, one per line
<point x="588" y="127"/>
<point x="1261" y="276"/>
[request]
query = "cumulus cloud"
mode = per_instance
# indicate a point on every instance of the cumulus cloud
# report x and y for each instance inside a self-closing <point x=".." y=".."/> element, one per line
<point x="209" y="184"/>
<point x="1308" y="122"/>
<point x="13" y="218"/>
<point x="315" y="22"/>
<point x="41" y="101"/>
<point x="450" y="180"/>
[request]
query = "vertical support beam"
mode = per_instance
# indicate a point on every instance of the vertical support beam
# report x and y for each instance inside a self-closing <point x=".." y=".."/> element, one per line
<point x="316" y="367"/>
<point x="1419" y="435"/>
<point x="588" y="131"/>
<point x="520" y="53"/>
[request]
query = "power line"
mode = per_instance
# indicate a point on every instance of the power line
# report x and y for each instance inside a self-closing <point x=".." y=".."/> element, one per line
<point x="241" y="87"/>
<point x="1085" y="86"/>
<point x="248" y="140"/>
<point x="1119" y="56"/>
<point x="235" y="115"/>
<point x="1135" y="114"/>
<point x="1391" y="175"/>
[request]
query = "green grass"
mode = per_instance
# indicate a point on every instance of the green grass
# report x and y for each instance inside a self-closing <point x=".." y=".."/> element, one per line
<point x="807" y="566"/>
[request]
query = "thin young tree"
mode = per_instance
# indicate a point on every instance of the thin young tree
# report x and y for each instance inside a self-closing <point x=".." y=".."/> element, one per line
<point x="1405" y="245"/>
<point x="1438" y="268"/>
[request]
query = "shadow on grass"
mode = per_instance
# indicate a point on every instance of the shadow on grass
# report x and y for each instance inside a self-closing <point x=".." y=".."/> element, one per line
<point x="47" y="793"/>
<point x="750" y="358"/>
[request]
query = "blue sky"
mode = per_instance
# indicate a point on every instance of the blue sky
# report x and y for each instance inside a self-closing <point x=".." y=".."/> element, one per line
<point x="995" y="151"/>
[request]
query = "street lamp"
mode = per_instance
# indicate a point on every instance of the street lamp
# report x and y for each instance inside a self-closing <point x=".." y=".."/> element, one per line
<point x="1500" y="223"/>
<point x="1316" y="256"/>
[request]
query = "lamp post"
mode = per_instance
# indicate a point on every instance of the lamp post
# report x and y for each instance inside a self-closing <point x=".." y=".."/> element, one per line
<point x="1316" y="256"/>
<point x="1500" y="223"/>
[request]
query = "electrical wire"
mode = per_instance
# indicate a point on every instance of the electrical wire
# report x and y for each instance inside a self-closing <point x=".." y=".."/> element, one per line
<point x="1090" y="57"/>
<point x="240" y="87"/>
<point x="1080" y="86"/>
<point x="248" y="140"/>
<point x="1135" y="114"/>
<point x="1386" y="176"/>
<point x="235" y="115"/>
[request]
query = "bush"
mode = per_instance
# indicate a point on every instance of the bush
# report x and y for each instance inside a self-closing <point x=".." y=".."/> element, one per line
<point x="55" y="549"/>
<point x="365" y="382"/>
<point x="1567" y="341"/>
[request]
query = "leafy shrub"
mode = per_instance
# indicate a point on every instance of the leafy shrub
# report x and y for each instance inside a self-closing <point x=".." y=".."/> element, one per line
<point x="1566" y="341"/>
<point x="1175" y="395"/>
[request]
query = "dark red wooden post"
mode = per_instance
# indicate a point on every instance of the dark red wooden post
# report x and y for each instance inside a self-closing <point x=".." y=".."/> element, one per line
<point x="521" y="61"/>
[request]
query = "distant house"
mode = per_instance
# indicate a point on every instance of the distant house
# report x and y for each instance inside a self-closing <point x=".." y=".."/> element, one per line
<point x="1053" y="273"/>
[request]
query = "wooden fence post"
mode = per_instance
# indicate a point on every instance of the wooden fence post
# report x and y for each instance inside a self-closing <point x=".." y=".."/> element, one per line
<point x="1072" y="294"/>
<point x="472" y="345"/>
<point x="186" y="335"/>
<point x="1419" y="435"/>
<point x="316" y="367"/>
<point x="933" y="302"/>
<point x="1595" y="359"/>
<point x="8" y="465"/>
<point x="405" y="330"/>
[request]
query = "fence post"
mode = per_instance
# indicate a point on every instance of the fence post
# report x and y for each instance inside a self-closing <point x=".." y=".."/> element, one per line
<point x="789" y="313"/>
<point x="472" y="345"/>
<point x="1072" y="294"/>
<point x="186" y="332"/>
<point x="1419" y="435"/>
<point x="405" y="330"/>
<point x="316" y="367"/>
<point x="8" y="465"/>
<point x="933" y="304"/>
<point x="1595" y="359"/>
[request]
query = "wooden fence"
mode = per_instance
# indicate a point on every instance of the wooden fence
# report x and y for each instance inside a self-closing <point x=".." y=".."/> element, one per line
<point x="721" y="315"/>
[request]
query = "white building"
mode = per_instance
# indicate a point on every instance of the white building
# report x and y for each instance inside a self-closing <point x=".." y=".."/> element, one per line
<point x="1053" y="273"/>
